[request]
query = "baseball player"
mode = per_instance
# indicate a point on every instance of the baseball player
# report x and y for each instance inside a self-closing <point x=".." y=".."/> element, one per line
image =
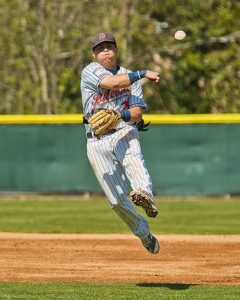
<point x="112" y="104"/>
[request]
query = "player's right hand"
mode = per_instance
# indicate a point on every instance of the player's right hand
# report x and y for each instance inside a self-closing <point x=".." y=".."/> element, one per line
<point x="152" y="76"/>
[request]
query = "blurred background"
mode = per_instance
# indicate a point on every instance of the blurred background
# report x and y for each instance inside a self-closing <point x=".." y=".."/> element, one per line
<point x="194" y="44"/>
<point x="44" y="45"/>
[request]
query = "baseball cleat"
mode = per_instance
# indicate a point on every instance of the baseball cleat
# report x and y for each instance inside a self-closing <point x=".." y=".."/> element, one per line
<point x="141" y="198"/>
<point x="151" y="244"/>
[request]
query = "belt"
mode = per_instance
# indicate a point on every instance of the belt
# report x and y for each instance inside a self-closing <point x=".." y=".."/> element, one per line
<point x="91" y="135"/>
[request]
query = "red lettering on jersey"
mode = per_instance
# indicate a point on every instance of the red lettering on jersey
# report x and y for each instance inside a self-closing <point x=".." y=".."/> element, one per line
<point x="106" y="96"/>
<point x="96" y="99"/>
<point x="110" y="95"/>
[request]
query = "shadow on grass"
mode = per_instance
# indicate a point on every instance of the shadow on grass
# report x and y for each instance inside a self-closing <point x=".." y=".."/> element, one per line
<point x="171" y="286"/>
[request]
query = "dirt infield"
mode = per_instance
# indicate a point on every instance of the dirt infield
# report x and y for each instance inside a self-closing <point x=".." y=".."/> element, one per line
<point x="189" y="259"/>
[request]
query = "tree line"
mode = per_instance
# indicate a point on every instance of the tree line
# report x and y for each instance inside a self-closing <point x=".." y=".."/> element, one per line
<point x="44" y="45"/>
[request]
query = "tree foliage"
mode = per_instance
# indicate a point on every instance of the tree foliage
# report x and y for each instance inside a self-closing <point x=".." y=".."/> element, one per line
<point x="44" y="45"/>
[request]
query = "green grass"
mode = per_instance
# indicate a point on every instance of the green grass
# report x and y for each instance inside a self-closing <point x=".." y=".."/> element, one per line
<point x="95" y="291"/>
<point x="194" y="216"/>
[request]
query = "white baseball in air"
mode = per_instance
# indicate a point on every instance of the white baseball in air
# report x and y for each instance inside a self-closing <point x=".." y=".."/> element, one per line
<point x="180" y="35"/>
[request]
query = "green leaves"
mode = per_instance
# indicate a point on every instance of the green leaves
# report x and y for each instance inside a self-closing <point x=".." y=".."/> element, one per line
<point x="45" y="44"/>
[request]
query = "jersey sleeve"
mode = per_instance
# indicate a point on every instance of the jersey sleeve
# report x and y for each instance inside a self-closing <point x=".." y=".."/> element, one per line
<point x="136" y="98"/>
<point x="93" y="74"/>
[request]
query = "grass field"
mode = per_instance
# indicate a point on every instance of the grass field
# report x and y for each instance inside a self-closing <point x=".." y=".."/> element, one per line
<point x="95" y="216"/>
<point x="119" y="291"/>
<point x="65" y="215"/>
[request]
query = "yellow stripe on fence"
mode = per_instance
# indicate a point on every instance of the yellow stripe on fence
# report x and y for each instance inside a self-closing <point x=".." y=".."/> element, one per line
<point x="41" y="119"/>
<point x="192" y="118"/>
<point x="153" y="118"/>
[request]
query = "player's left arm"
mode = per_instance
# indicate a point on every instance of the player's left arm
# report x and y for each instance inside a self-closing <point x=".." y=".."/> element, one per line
<point x="136" y="114"/>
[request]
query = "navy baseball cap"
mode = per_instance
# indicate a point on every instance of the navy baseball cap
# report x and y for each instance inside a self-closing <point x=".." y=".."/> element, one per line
<point x="103" y="37"/>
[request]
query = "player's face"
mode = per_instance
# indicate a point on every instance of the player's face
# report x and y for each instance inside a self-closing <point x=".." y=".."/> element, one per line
<point x="105" y="52"/>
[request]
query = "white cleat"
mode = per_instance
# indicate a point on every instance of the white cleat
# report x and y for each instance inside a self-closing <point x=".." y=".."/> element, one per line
<point x="141" y="198"/>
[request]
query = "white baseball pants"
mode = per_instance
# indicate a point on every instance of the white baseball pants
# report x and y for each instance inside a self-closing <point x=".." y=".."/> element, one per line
<point x="116" y="158"/>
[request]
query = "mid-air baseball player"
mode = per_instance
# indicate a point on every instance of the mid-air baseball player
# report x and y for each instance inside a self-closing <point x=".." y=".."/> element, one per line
<point x="112" y="104"/>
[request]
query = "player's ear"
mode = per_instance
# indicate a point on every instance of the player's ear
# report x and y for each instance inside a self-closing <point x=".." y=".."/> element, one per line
<point x="93" y="55"/>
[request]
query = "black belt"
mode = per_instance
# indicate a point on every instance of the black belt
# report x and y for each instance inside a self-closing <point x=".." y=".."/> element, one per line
<point x="91" y="135"/>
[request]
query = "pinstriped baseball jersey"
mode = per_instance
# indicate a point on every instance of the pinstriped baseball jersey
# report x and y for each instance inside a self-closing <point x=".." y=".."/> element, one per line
<point x="94" y="97"/>
<point x="116" y="158"/>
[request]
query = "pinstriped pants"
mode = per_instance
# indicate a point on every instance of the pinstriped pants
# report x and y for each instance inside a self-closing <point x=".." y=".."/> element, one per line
<point x="116" y="159"/>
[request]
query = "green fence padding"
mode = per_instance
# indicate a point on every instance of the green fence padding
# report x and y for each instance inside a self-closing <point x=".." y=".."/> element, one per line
<point x="45" y="158"/>
<point x="189" y="159"/>
<point x="200" y="159"/>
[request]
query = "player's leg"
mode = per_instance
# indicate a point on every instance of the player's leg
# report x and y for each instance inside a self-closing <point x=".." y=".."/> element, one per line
<point x="109" y="173"/>
<point x="128" y="152"/>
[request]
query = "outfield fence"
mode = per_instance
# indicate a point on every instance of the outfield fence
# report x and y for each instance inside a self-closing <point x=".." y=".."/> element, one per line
<point x="185" y="154"/>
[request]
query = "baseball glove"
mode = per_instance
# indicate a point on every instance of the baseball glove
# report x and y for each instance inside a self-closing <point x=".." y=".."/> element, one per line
<point x="103" y="121"/>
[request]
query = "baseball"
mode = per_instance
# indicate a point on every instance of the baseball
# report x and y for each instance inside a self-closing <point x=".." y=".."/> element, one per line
<point x="180" y="35"/>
